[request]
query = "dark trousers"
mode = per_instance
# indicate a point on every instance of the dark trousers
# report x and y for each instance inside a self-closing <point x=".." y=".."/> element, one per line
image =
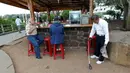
<point x="99" y="43"/>
<point x="36" y="40"/>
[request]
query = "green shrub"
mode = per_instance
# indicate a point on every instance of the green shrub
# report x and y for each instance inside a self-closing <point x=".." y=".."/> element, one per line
<point x="65" y="14"/>
<point x="9" y="24"/>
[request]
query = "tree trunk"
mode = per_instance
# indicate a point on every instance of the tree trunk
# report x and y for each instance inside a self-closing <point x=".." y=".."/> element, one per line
<point x="125" y="15"/>
<point x="128" y="18"/>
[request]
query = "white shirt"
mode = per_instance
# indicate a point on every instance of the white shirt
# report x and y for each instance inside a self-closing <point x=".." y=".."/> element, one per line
<point x="18" y="21"/>
<point x="100" y="29"/>
<point x="29" y="28"/>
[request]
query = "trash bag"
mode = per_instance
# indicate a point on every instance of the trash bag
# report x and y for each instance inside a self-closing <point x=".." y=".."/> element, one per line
<point x="104" y="52"/>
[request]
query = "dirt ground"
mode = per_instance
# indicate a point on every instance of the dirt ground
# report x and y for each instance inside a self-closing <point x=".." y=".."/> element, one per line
<point x="75" y="61"/>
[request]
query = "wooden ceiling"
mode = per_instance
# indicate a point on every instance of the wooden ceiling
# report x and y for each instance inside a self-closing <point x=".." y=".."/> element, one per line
<point x="43" y="5"/>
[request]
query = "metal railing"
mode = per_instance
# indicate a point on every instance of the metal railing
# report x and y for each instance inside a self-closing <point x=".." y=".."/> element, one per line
<point x="5" y="29"/>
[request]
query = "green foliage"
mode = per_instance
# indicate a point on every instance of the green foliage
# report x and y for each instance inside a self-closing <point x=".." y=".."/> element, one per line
<point x="8" y="24"/>
<point x="99" y="14"/>
<point x="111" y="12"/>
<point x="120" y="3"/>
<point x="6" y="21"/>
<point x="51" y="17"/>
<point x="44" y="17"/>
<point x="118" y="7"/>
<point x="65" y="14"/>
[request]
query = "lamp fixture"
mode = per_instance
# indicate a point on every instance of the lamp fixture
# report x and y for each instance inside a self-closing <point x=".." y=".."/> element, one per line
<point x="58" y="1"/>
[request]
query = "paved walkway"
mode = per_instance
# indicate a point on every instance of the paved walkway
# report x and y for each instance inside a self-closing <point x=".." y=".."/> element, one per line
<point x="6" y="65"/>
<point x="75" y="62"/>
<point x="75" y="59"/>
<point x="5" y="39"/>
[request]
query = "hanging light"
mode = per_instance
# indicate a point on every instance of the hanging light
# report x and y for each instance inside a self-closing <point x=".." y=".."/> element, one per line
<point x="58" y="1"/>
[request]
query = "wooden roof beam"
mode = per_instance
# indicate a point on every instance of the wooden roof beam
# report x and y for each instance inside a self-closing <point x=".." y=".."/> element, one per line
<point x="20" y="2"/>
<point x="13" y="3"/>
<point x="41" y="3"/>
<point x="65" y="8"/>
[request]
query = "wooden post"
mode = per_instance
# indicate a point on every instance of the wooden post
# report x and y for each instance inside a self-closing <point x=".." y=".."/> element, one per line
<point x="26" y="19"/>
<point x="3" y="31"/>
<point x="90" y="9"/>
<point x="49" y="17"/>
<point x="30" y="6"/>
<point x="12" y="27"/>
<point x="23" y="18"/>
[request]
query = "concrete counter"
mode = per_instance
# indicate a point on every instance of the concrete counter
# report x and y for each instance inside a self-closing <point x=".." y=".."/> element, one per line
<point x="75" y="35"/>
<point x="119" y="47"/>
<point x="73" y="25"/>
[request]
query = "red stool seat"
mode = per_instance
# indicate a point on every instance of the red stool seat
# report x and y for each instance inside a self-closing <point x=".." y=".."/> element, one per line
<point x="92" y="45"/>
<point x="30" y="49"/>
<point x="61" y="51"/>
<point x="48" y="48"/>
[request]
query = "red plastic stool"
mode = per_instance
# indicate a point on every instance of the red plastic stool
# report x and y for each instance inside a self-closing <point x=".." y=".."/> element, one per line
<point x="92" y="44"/>
<point x="48" y="48"/>
<point x="61" y="51"/>
<point x="30" y="49"/>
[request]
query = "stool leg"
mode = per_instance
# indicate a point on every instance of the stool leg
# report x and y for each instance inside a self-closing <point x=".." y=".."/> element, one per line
<point x="62" y="50"/>
<point x="47" y="46"/>
<point x="92" y="46"/>
<point x="54" y="52"/>
<point x="28" y="49"/>
<point x="50" y="49"/>
<point x="44" y="49"/>
<point x="32" y="48"/>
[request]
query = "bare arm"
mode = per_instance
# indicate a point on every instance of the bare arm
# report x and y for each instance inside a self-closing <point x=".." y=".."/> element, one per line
<point x="92" y="32"/>
<point x="31" y="30"/>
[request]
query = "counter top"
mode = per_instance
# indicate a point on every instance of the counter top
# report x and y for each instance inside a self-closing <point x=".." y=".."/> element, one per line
<point x="73" y="25"/>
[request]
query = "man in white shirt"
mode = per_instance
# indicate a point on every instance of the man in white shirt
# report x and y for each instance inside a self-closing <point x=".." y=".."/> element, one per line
<point x="18" y="23"/>
<point x="100" y="28"/>
<point x="33" y="37"/>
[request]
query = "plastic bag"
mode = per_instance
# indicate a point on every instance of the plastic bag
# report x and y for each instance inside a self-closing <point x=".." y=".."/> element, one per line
<point x="104" y="52"/>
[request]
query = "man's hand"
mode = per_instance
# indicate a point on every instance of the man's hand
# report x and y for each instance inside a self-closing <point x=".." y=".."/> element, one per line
<point x="30" y="32"/>
<point x="89" y="38"/>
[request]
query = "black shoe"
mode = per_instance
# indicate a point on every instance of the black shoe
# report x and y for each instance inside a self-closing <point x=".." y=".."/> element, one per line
<point x="39" y="57"/>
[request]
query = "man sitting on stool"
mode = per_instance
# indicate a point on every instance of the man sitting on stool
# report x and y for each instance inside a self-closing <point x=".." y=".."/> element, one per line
<point x="33" y="37"/>
<point x="100" y="27"/>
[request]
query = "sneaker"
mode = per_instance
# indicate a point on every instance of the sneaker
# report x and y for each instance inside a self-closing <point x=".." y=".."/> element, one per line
<point x="94" y="56"/>
<point x="99" y="62"/>
<point x="39" y="57"/>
